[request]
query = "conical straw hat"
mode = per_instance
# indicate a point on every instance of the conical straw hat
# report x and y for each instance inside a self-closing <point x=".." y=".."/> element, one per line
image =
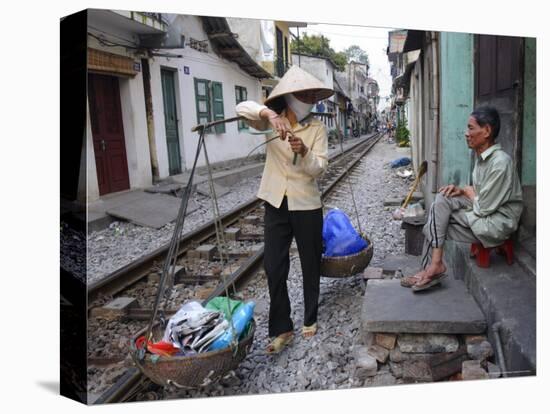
<point x="298" y="80"/>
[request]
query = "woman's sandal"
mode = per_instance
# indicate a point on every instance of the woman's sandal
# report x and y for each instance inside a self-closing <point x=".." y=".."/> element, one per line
<point x="309" y="331"/>
<point x="278" y="344"/>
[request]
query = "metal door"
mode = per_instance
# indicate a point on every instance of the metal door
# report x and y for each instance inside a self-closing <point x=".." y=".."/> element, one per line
<point x="108" y="134"/>
<point x="171" y="121"/>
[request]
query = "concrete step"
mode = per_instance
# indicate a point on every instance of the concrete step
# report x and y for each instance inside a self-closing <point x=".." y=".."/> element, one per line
<point x="445" y="309"/>
<point x="506" y="294"/>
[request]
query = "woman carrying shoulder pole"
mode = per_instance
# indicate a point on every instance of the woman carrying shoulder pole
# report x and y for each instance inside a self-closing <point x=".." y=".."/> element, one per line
<point x="293" y="201"/>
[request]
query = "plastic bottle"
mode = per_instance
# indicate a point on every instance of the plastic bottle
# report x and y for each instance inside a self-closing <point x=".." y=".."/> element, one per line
<point x="242" y="315"/>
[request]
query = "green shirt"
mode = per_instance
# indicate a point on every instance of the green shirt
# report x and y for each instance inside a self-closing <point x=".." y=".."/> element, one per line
<point x="498" y="203"/>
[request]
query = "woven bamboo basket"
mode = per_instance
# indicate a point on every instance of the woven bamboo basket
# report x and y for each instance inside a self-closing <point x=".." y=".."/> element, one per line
<point x="345" y="266"/>
<point x="192" y="371"/>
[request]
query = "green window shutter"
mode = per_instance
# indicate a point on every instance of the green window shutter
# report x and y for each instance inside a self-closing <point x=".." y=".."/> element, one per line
<point x="202" y="99"/>
<point x="217" y="106"/>
<point x="241" y="95"/>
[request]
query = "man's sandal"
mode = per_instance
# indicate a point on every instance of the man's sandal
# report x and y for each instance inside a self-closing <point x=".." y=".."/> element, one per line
<point x="435" y="280"/>
<point x="278" y="344"/>
<point x="410" y="281"/>
<point x="309" y="331"/>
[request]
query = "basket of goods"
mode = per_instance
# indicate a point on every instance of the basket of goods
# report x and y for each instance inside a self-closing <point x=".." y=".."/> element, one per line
<point x="199" y="345"/>
<point x="345" y="252"/>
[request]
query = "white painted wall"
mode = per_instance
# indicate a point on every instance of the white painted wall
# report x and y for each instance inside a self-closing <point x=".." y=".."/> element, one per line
<point x="232" y="144"/>
<point x="89" y="160"/>
<point x="221" y="147"/>
<point x="134" y="120"/>
<point x="322" y="69"/>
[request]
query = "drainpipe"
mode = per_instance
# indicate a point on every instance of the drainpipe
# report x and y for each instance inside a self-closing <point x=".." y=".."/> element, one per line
<point x="500" y="353"/>
<point x="435" y="109"/>
<point x="150" y="120"/>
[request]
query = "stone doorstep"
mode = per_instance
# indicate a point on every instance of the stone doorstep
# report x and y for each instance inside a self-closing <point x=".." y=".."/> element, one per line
<point x="390" y="308"/>
<point x="115" y="309"/>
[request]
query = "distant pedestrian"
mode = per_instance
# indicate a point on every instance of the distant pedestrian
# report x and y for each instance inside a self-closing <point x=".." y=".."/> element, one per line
<point x="293" y="201"/>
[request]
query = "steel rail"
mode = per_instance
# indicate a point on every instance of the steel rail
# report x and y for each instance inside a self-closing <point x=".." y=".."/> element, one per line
<point x="131" y="273"/>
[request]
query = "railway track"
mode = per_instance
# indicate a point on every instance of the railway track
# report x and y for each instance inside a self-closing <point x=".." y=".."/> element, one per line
<point x="247" y="214"/>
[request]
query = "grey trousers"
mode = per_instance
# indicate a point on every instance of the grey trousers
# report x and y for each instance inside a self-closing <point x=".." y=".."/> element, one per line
<point x="446" y="220"/>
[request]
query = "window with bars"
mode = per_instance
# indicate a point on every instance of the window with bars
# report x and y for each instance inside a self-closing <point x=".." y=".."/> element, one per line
<point x="209" y="101"/>
<point x="241" y="95"/>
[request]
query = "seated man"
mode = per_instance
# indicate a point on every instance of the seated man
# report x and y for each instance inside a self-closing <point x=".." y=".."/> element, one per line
<point x="487" y="213"/>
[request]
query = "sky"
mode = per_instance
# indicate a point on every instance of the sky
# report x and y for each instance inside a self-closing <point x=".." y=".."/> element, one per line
<point x="373" y="40"/>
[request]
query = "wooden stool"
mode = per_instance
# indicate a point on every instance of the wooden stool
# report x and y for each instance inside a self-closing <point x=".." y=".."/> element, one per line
<point x="482" y="254"/>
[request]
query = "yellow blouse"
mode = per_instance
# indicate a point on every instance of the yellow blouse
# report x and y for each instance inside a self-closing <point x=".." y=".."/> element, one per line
<point x="280" y="177"/>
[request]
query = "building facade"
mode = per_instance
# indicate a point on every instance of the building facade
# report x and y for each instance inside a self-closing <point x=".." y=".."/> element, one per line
<point x="441" y="77"/>
<point x="151" y="79"/>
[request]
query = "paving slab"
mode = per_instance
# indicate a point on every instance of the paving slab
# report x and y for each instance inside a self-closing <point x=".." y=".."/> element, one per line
<point x="448" y="308"/>
<point x="204" y="189"/>
<point x="165" y="188"/>
<point x="150" y="210"/>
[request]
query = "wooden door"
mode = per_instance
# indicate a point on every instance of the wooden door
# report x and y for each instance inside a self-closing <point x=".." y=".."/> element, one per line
<point x="108" y="134"/>
<point x="498" y="83"/>
<point x="171" y="121"/>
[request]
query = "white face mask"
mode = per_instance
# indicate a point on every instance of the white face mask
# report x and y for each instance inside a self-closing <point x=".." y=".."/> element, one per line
<point x="300" y="109"/>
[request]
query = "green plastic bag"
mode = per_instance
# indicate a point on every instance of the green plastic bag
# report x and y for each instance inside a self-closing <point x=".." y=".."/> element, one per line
<point x="220" y="303"/>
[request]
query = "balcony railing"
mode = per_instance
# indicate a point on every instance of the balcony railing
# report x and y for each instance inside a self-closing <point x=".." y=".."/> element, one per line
<point x="280" y="66"/>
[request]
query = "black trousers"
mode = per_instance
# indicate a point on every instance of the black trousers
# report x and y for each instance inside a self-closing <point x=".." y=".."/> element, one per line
<point x="280" y="225"/>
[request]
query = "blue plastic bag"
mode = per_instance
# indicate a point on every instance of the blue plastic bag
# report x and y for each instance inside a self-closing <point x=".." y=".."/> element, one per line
<point x="240" y="319"/>
<point x="339" y="236"/>
<point x="400" y="162"/>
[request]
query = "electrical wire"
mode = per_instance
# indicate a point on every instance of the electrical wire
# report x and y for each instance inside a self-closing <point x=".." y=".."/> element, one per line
<point x="132" y="43"/>
<point x="109" y="43"/>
